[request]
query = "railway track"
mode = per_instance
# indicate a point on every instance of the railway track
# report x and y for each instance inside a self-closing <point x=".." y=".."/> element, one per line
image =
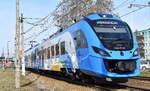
<point x="99" y="85"/>
<point x="141" y="78"/>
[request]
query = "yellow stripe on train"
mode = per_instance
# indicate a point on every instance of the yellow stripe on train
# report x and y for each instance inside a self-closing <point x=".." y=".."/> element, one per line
<point x="56" y="68"/>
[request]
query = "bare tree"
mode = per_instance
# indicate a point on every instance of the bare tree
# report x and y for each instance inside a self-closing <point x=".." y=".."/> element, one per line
<point x="69" y="10"/>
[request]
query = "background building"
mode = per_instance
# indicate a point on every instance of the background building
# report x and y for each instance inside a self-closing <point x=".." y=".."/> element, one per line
<point x="143" y="38"/>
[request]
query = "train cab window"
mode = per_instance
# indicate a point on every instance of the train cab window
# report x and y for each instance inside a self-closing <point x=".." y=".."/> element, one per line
<point x="52" y="50"/>
<point x="80" y="39"/>
<point x="62" y="44"/>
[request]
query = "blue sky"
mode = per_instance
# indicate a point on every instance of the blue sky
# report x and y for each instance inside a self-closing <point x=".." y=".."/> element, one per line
<point x="39" y="8"/>
<point x="138" y="20"/>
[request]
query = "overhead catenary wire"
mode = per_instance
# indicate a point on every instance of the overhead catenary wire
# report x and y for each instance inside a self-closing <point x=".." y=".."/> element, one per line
<point x="120" y="4"/>
<point x="132" y="11"/>
<point x="40" y="24"/>
<point x="43" y="26"/>
<point x="37" y="23"/>
<point x="136" y="5"/>
<point x="30" y="23"/>
<point x="123" y="4"/>
<point x="41" y="30"/>
<point x="39" y="33"/>
<point x="27" y="18"/>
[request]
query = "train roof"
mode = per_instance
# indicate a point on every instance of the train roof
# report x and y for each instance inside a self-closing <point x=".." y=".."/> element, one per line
<point x="93" y="16"/>
<point x="96" y="16"/>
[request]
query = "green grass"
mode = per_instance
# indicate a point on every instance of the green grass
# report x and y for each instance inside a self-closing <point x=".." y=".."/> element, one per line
<point x="145" y="74"/>
<point x="7" y="81"/>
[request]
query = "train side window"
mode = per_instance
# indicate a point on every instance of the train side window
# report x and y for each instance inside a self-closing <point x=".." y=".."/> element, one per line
<point x="39" y="54"/>
<point x="57" y="49"/>
<point x="48" y="52"/>
<point x="52" y="50"/>
<point x="42" y="54"/>
<point x="32" y="56"/>
<point x="45" y="53"/>
<point x="62" y="44"/>
<point x="80" y="39"/>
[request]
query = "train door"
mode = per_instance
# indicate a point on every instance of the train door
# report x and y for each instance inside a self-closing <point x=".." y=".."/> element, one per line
<point x="57" y="55"/>
<point x="42" y="61"/>
<point x="35" y="58"/>
<point x="52" y="54"/>
<point x="32" y="59"/>
<point x="72" y="53"/>
<point x="49" y="57"/>
<point x="81" y="45"/>
<point x="45" y="58"/>
<point x="63" y="53"/>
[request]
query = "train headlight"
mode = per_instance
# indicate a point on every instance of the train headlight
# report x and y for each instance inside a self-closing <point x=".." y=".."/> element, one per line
<point x="100" y="51"/>
<point x="136" y="52"/>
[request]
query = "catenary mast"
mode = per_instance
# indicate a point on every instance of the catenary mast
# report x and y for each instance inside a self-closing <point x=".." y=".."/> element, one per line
<point x="18" y="43"/>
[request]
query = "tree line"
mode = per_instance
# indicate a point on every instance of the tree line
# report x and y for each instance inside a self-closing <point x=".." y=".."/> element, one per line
<point x="68" y="11"/>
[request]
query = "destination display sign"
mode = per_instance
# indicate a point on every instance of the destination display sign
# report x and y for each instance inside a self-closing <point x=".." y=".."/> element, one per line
<point x="106" y="22"/>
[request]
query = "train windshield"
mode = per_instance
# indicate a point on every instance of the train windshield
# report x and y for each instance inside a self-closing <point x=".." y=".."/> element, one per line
<point x="115" y="35"/>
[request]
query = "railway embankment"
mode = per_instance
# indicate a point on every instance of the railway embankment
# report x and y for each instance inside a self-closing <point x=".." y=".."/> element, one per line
<point x="7" y="81"/>
<point x="55" y="82"/>
<point x="40" y="82"/>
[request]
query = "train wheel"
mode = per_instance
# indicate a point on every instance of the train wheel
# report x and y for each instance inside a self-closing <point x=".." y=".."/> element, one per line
<point x="73" y="77"/>
<point x="85" y="78"/>
<point x="77" y="76"/>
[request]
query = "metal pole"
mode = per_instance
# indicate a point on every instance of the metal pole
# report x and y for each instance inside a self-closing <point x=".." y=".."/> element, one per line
<point x="3" y="64"/>
<point x="3" y="59"/>
<point x="17" y="62"/>
<point x="8" y="50"/>
<point x="22" y="46"/>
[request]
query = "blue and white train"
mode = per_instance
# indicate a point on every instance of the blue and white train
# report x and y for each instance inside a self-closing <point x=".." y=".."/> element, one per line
<point x="99" y="45"/>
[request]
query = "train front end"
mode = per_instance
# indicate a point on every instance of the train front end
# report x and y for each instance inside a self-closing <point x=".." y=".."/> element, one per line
<point x="113" y="50"/>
